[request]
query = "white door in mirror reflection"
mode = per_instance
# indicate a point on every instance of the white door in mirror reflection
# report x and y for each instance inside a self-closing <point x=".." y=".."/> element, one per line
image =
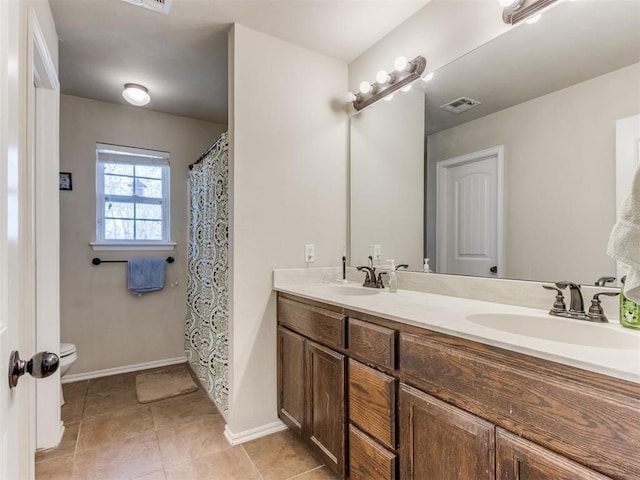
<point x="469" y="214"/>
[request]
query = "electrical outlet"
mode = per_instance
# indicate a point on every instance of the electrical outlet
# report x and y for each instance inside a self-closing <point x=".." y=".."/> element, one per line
<point x="309" y="253"/>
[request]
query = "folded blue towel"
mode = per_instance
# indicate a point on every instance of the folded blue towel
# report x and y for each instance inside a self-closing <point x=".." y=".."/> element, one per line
<point x="146" y="274"/>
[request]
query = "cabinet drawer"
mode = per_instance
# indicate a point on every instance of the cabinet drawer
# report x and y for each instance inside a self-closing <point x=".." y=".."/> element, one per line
<point x="372" y="398"/>
<point x="323" y="326"/>
<point x="372" y="343"/>
<point x="367" y="459"/>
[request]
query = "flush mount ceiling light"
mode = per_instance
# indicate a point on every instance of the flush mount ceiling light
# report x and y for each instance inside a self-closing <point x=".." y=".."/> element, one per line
<point x="136" y="94"/>
<point x="519" y="10"/>
<point x="386" y="83"/>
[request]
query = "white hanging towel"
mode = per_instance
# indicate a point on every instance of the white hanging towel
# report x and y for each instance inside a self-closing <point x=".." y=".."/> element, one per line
<point x="624" y="241"/>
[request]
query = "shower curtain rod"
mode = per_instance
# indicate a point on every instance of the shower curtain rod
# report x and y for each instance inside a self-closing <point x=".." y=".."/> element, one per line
<point x="206" y="152"/>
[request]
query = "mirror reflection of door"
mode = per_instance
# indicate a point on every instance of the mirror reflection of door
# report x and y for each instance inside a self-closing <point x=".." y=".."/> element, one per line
<point x="469" y="214"/>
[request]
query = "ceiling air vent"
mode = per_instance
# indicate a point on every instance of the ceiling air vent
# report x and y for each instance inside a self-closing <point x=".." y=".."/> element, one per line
<point x="460" y="105"/>
<point x="160" y="6"/>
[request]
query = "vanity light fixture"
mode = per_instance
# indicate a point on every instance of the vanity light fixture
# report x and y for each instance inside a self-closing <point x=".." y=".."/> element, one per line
<point x="386" y="83"/>
<point x="135" y="94"/>
<point x="523" y="9"/>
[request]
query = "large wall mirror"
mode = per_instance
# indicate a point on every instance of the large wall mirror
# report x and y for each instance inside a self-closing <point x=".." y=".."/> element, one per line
<point x="517" y="177"/>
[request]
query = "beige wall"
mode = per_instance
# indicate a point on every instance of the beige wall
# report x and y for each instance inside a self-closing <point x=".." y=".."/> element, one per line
<point x="110" y="326"/>
<point x="387" y="175"/>
<point x="441" y="31"/>
<point x="289" y="187"/>
<point x="559" y="174"/>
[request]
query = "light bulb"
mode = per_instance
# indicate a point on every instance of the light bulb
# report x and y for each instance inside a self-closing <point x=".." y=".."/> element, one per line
<point x="406" y="88"/>
<point x="533" y="19"/>
<point x="389" y="97"/>
<point x="350" y="97"/>
<point x="506" y="3"/>
<point x="400" y="63"/>
<point x="427" y="77"/>
<point x="136" y="94"/>
<point x="383" y="77"/>
<point x="365" y="87"/>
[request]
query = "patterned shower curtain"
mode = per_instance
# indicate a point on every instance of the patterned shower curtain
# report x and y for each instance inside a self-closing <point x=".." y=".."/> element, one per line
<point x="207" y="294"/>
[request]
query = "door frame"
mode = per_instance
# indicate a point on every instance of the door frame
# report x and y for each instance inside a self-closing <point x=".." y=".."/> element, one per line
<point x="43" y="154"/>
<point x="442" y="169"/>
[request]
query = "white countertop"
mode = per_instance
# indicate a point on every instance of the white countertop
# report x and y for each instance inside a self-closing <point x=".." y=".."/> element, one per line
<point x="617" y="353"/>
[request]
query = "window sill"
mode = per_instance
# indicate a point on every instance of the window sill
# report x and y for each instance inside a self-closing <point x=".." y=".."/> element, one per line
<point x="132" y="247"/>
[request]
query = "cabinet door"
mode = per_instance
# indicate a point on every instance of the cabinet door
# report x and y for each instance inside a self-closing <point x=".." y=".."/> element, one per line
<point x="442" y="442"/>
<point x="326" y="422"/>
<point x="291" y="377"/>
<point x="519" y="459"/>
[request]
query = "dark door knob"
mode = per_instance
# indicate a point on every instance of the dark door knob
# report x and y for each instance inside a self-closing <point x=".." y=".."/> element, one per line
<point x="494" y="269"/>
<point x="41" y="365"/>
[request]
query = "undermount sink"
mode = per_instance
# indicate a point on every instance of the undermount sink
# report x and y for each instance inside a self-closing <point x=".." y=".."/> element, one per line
<point x="576" y="332"/>
<point x="349" y="290"/>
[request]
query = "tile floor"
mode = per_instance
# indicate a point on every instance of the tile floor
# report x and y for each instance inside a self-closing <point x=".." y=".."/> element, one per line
<point x="109" y="436"/>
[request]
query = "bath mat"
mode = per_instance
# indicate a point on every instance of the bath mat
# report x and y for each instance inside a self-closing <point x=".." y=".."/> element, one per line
<point x="151" y="387"/>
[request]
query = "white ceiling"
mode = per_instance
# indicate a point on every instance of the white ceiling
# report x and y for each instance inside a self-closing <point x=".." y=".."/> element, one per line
<point x="182" y="57"/>
<point x="573" y="42"/>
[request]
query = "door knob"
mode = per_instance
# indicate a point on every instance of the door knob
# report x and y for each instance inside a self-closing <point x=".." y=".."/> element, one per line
<point x="41" y="365"/>
<point x="494" y="269"/>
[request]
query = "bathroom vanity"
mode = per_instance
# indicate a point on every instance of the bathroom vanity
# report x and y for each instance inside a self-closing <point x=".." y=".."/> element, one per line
<point x="379" y="395"/>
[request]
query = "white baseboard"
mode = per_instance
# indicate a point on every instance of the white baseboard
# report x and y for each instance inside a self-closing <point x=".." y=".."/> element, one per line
<point x="126" y="369"/>
<point x="253" y="433"/>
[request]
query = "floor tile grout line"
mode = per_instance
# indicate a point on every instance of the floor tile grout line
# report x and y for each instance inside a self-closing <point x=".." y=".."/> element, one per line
<point x="298" y="475"/>
<point x="251" y="461"/>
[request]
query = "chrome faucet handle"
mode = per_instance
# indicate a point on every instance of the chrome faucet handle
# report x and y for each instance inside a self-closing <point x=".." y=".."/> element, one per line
<point x="602" y="281"/>
<point x="558" y="305"/>
<point x="596" y="312"/>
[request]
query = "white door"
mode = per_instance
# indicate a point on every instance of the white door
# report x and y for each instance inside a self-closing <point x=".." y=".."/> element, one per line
<point x="16" y="283"/>
<point x="627" y="162"/>
<point x="469" y="214"/>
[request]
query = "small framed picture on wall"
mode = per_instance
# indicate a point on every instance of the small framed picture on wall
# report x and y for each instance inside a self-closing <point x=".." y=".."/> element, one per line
<point x="65" y="181"/>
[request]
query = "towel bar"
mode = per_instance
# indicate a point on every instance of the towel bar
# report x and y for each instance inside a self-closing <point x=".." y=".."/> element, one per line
<point x="97" y="261"/>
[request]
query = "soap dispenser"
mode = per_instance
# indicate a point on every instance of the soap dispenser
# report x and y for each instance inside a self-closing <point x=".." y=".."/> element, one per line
<point x="426" y="268"/>
<point x="393" y="278"/>
<point x="629" y="310"/>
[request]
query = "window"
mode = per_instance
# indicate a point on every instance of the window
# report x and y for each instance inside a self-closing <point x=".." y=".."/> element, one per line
<point x="132" y="195"/>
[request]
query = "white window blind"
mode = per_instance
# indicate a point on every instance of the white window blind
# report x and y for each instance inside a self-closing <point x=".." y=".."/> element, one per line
<point x="133" y="202"/>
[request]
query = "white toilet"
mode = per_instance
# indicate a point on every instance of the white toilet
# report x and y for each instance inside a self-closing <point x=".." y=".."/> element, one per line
<point x="68" y="356"/>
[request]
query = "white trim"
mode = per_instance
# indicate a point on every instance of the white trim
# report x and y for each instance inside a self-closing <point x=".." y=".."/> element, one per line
<point x="441" y="169"/>
<point x="43" y="101"/>
<point x="126" y="369"/>
<point x="253" y="433"/>
<point x="131" y="247"/>
<point x="119" y="150"/>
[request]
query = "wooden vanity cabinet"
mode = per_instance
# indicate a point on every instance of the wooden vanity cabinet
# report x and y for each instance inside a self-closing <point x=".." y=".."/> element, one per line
<point x="442" y="442"/>
<point x="326" y="418"/>
<point x="291" y="380"/>
<point x="519" y="459"/>
<point x="399" y="402"/>
<point x="312" y="378"/>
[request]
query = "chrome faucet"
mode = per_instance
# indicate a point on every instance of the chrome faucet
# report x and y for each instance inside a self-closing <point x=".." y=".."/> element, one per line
<point x="370" y="277"/>
<point x="576" y="304"/>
